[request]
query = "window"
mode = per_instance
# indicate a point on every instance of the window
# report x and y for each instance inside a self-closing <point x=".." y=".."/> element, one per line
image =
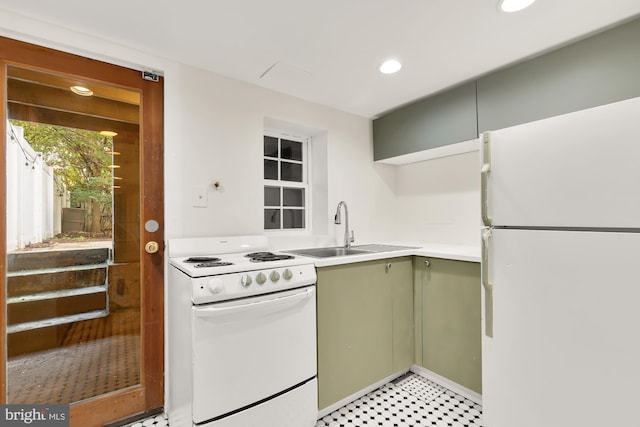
<point x="286" y="184"/>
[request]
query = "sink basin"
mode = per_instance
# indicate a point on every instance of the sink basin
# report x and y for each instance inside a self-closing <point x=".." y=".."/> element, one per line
<point x="342" y="251"/>
<point x="382" y="248"/>
<point x="328" y="252"/>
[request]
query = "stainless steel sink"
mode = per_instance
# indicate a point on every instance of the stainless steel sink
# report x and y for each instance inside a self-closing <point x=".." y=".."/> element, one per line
<point x="328" y="252"/>
<point x="342" y="251"/>
<point x="382" y="248"/>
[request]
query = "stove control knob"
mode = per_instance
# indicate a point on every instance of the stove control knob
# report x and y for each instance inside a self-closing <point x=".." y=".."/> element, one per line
<point x="288" y="275"/>
<point x="246" y="281"/>
<point x="274" y="276"/>
<point x="215" y="286"/>
<point x="261" y="278"/>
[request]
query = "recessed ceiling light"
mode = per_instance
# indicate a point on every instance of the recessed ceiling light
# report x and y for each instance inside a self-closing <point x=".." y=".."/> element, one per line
<point x="514" y="5"/>
<point x="391" y="66"/>
<point x="81" y="90"/>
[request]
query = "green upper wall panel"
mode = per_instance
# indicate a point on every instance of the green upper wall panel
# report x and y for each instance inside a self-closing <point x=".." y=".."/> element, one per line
<point x="598" y="70"/>
<point x="439" y="120"/>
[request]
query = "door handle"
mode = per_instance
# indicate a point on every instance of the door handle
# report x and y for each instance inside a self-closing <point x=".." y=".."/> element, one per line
<point x="274" y="304"/>
<point x="151" y="247"/>
<point x="484" y="178"/>
<point x="488" y="287"/>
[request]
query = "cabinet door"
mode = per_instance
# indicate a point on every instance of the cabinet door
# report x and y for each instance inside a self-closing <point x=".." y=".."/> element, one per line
<point x="450" y="320"/>
<point x="401" y="282"/>
<point x="355" y="329"/>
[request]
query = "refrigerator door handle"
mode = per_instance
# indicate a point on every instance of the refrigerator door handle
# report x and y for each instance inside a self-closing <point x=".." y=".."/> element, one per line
<point x="488" y="287"/>
<point x="484" y="178"/>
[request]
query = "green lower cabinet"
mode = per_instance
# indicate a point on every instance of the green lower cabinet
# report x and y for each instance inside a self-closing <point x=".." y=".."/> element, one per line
<point x="365" y="325"/>
<point x="448" y="329"/>
<point x="401" y="275"/>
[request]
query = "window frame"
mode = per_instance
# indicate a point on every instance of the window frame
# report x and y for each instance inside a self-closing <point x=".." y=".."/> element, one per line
<point x="305" y="184"/>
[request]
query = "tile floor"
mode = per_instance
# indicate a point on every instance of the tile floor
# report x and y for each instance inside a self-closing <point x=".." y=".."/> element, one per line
<point x="156" y="421"/>
<point x="410" y="401"/>
<point x="95" y="357"/>
<point x="406" y="402"/>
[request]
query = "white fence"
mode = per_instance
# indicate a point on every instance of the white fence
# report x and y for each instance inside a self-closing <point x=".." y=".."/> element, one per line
<point x="34" y="198"/>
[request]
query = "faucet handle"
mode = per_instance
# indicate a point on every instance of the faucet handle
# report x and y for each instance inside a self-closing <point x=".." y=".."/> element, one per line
<point x="352" y="239"/>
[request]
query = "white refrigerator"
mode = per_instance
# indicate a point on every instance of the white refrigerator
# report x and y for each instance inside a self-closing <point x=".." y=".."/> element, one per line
<point x="561" y="270"/>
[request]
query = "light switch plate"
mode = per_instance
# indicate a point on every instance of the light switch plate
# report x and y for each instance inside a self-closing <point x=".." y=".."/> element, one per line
<point x="199" y="197"/>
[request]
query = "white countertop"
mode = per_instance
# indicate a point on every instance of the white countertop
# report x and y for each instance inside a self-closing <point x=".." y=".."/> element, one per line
<point x="454" y="252"/>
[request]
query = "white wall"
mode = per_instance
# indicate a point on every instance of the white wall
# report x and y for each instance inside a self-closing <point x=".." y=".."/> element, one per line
<point x="213" y="131"/>
<point x="221" y="139"/>
<point x="30" y="193"/>
<point x="439" y="200"/>
<point x="222" y="122"/>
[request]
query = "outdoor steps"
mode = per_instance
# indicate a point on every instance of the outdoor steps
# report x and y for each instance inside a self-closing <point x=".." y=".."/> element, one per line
<point x="46" y="289"/>
<point x="35" y="260"/>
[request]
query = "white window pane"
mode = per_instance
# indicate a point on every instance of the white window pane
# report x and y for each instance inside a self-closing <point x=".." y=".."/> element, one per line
<point x="272" y="219"/>
<point x="272" y="196"/>
<point x="291" y="150"/>
<point x="291" y="172"/>
<point x="293" y="218"/>
<point x="270" y="146"/>
<point x="293" y="197"/>
<point x="270" y="169"/>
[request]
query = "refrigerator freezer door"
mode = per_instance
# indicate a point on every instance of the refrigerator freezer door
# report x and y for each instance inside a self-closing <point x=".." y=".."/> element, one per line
<point x="566" y="345"/>
<point x="576" y="170"/>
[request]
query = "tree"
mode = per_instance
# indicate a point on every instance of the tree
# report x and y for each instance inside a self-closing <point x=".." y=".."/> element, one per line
<point x="80" y="159"/>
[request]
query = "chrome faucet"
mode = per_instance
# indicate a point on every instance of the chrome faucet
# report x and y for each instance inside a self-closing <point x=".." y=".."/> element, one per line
<point x="347" y="239"/>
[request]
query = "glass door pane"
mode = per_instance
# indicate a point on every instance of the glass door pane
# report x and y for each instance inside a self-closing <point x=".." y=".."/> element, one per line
<point x="73" y="238"/>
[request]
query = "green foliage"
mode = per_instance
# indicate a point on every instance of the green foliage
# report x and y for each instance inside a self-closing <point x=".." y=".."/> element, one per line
<point x="78" y="157"/>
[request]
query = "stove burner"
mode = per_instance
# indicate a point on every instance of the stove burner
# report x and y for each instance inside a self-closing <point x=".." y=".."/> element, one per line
<point x="259" y="254"/>
<point x="213" y="264"/>
<point x="270" y="257"/>
<point x="201" y="259"/>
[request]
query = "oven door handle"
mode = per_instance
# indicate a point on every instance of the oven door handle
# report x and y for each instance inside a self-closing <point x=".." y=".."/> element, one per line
<point x="265" y="304"/>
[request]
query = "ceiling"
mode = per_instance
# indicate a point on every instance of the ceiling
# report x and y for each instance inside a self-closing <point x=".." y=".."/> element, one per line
<point x="41" y="97"/>
<point x="329" y="51"/>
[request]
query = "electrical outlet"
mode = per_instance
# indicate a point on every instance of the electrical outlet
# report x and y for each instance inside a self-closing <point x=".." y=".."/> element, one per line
<point x="199" y="197"/>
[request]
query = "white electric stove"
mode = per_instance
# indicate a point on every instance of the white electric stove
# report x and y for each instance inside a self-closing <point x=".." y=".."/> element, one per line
<point x="241" y="335"/>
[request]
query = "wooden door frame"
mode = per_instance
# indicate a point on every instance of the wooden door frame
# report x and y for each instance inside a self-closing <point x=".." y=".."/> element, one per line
<point x="150" y="393"/>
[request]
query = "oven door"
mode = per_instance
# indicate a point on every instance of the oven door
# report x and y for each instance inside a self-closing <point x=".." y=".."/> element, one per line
<point x="249" y="350"/>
